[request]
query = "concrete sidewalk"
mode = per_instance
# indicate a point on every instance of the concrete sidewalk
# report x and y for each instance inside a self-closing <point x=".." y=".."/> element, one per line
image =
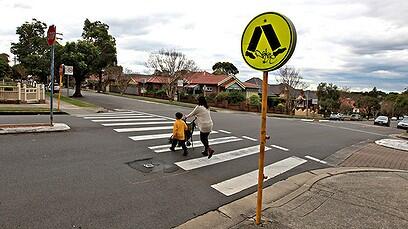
<point x="326" y="198"/>
<point x="17" y="128"/>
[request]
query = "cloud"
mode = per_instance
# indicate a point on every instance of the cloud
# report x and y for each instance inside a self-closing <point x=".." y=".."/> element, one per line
<point x="22" y="6"/>
<point x="138" y="25"/>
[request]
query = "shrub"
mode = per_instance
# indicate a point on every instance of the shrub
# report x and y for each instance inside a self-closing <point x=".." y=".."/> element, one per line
<point x="160" y="93"/>
<point x="280" y="107"/>
<point x="254" y="100"/>
<point x="235" y="97"/>
<point x="222" y="96"/>
<point x="211" y="98"/>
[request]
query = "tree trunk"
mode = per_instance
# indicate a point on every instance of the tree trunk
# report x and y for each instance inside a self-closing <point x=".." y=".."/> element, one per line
<point x="100" y="82"/>
<point x="77" y="89"/>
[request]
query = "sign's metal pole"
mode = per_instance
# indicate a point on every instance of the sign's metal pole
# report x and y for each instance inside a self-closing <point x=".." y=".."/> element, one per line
<point x="67" y="85"/>
<point x="61" y="70"/>
<point x="262" y="147"/>
<point x="52" y="84"/>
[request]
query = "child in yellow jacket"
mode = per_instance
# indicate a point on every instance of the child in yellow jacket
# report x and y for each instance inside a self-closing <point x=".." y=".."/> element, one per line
<point x="179" y="129"/>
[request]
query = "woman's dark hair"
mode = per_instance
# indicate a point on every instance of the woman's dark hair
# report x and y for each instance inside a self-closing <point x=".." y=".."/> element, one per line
<point x="202" y="101"/>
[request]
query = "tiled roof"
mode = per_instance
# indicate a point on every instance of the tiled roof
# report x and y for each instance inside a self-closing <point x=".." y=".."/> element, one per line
<point x="250" y="85"/>
<point x="204" y="78"/>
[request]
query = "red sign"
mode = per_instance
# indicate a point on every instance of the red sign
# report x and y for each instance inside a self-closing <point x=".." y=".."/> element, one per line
<point x="51" y="33"/>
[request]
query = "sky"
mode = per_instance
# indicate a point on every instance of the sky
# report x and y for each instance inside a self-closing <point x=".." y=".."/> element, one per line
<point x="353" y="44"/>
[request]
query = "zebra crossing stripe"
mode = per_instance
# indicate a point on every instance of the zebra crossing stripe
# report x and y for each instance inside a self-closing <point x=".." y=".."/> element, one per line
<point x="108" y="113"/>
<point x="224" y="131"/>
<point x="239" y="183"/>
<point x="138" y="129"/>
<point x="159" y="136"/>
<point x="215" y="141"/>
<point x="218" y="158"/>
<point x="249" y="138"/>
<point x="280" y="147"/>
<point x="118" y="117"/>
<point x="112" y="114"/>
<point x="129" y="120"/>
<point x="135" y="123"/>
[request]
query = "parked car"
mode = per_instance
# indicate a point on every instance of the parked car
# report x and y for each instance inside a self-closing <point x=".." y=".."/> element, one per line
<point x="394" y="119"/>
<point x="336" y="116"/>
<point x="403" y="124"/>
<point x="356" y="117"/>
<point x="56" y="87"/>
<point x="382" y="120"/>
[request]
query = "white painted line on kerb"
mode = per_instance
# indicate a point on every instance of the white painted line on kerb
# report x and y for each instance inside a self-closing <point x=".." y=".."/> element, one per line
<point x="129" y="120"/>
<point x="315" y="159"/>
<point x="224" y="131"/>
<point x="249" y="138"/>
<point x="215" y="141"/>
<point x="218" y="158"/>
<point x="159" y="136"/>
<point x="280" y="147"/>
<point x="119" y="117"/>
<point x="138" y="129"/>
<point x="237" y="184"/>
<point x="135" y="123"/>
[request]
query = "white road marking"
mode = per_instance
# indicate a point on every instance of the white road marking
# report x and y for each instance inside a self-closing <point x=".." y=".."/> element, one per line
<point x="135" y="123"/>
<point x="324" y="120"/>
<point x="129" y="120"/>
<point x="315" y="159"/>
<point x="306" y="120"/>
<point x="239" y="183"/>
<point x="351" y="129"/>
<point x="218" y="158"/>
<point x="249" y="138"/>
<point x="158" y="136"/>
<point x="108" y="113"/>
<point x="280" y="147"/>
<point x="224" y="131"/>
<point x="138" y="129"/>
<point x="215" y="141"/>
<point x="118" y="117"/>
<point x="113" y="114"/>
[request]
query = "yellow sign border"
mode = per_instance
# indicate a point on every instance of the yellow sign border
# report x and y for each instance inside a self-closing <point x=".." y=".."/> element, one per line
<point x="291" y="48"/>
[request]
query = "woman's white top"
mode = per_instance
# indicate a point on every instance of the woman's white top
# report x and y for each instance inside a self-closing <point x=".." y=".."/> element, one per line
<point x="204" y="122"/>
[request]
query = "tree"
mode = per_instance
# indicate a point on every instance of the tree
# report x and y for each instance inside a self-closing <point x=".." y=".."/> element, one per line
<point x="172" y="64"/>
<point x="19" y="71"/>
<point x="32" y="50"/>
<point x="81" y="56"/>
<point x="225" y="68"/>
<point x="114" y="74"/>
<point x="291" y="78"/>
<point x="97" y="33"/>
<point x="328" y="96"/>
<point x="5" y="69"/>
<point x="401" y="105"/>
<point x="368" y="105"/>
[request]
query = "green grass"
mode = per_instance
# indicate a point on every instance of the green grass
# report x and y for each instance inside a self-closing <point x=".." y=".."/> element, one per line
<point x="74" y="101"/>
<point x="25" y="110"/>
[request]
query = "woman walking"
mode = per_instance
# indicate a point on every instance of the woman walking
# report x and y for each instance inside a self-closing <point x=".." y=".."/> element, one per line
<point x="204" y="122"/>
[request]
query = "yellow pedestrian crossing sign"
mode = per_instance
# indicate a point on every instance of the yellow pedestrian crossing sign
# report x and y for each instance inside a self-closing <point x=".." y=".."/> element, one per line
<point x="268" y="41"/>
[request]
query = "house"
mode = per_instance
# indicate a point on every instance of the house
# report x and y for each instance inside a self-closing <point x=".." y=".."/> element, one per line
<point x="207" y="83"/>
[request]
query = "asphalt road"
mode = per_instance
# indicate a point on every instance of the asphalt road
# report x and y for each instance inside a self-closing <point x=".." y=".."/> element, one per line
<point x="95" y="177"/>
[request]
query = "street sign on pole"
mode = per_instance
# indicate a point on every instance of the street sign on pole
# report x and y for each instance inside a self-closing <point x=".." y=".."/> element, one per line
<point x="180" y="83"/>
<point x="51" y="33"/>
<point x="267" y="43"/>
<point x="69" y="70"/>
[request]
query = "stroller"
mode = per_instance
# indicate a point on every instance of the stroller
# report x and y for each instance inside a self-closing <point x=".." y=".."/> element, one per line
<point x="188" y="133"/>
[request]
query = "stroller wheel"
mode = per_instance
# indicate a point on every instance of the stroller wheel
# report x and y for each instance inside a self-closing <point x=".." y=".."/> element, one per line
<point x="188" y="143"/>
